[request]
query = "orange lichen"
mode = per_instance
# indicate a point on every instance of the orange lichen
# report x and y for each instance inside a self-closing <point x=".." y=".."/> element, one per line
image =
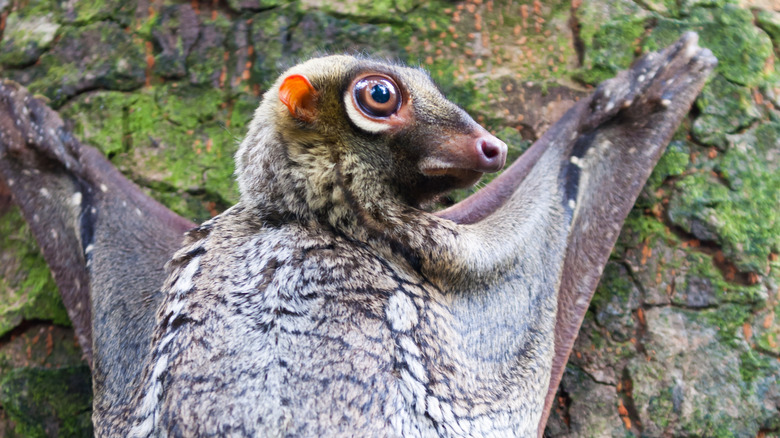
<point x="647" y="251"/>
<point x="768" y="320"/>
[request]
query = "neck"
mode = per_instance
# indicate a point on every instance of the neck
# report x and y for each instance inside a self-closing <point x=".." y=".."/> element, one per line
<point x="303" y="179"/>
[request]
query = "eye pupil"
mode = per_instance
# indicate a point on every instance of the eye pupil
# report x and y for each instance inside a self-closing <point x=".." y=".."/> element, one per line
<point x="380" y="93"/>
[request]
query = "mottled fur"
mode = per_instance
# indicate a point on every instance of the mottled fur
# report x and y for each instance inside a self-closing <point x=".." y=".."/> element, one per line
<point x="331" y="306"/>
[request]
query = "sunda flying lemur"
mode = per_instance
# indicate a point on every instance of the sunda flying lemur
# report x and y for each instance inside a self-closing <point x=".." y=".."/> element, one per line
<point x="326" y="302"/>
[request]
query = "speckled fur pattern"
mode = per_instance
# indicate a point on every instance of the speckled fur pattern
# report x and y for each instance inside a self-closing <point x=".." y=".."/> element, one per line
<point x="323" y="304"/>
<point x="342" y="342"/>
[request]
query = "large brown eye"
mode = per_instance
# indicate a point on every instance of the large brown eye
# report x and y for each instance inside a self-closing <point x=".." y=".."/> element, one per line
<point x="377" y="96"/>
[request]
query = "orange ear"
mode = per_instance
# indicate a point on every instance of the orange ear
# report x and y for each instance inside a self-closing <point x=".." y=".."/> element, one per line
<point x="299" y="96"/>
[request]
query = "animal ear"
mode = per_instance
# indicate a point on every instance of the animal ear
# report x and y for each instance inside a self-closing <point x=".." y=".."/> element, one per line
<point x="299" y="96"/>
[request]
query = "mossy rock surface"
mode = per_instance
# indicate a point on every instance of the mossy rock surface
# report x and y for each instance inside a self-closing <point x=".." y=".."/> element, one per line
<point x="683" y="334"/>
<point x="48" y="402"/>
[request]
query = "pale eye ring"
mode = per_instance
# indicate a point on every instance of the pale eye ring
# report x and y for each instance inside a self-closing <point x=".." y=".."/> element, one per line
<point x="377" y="96"/>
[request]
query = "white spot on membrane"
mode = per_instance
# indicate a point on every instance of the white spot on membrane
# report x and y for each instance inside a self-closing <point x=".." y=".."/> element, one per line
<point x="103" y="188"/>
<point x="45" y="193"/>
<point x="76" y="199"/>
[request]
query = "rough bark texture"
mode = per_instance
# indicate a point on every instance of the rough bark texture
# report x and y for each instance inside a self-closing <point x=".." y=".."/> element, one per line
<point x="683" y="336"/>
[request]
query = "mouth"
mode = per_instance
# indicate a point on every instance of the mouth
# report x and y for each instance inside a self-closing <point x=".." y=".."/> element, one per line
<point x="465" y="157"/>
<point x="462" y="177"/>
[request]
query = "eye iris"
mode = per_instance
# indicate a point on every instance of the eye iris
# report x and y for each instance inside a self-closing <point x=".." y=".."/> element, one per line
<point x="380" y="93"/>
<point x="376" y="96"/>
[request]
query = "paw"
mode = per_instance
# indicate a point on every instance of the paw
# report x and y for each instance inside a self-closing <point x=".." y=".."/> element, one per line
<point x="668" y="79"/>
<point x="31" y="132"/>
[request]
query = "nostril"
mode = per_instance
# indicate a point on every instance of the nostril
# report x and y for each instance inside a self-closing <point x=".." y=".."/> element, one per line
<point x="490" y="150"/>
<point x="490" y="153"/>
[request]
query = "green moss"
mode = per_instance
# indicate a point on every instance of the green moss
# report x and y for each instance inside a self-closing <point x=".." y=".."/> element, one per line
<point x="725" y="108"/>
<point x="100" y="119"/>
<point x="253" y="5"/>
<point x="614" y="282"/>
<point x="27" y="290"/>
<point x="99" y="55"/>
<point x="241" y="115"/>
<point x="269" y="30"/>
<point x="207" y="57"/>
<point x="639" y="229"/>
<point x="769" y="21"/>
<point x="48" y="402"/>
<point x="368" y="9"/>
<point x="187" y="106"/>
<point x="660" y="406"/>
<point x="318" y="32"/>
<point x="753" y="365"/>
<point x="171" y="139"/>
<point x="613" y="302"/>
<point x="27" y="34"/>
<point x="87" y="12"/>
<point x="743" y="217"/>
<point x="728" y="320"/>
<point x="741" y="48"/>
<point x="702" y="272"/>
<point x="673" y="162"/>
<point x="612" y="48"/>
<point x="592" y="15"/>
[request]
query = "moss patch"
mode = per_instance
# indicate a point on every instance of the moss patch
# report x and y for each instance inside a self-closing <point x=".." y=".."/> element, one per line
<point x="27" y="34"/>
<point x="612" y="48"/>
<point x="98" y="55"/>
<point x="743" y="218"/>
<point x="673" y="162"/>
<point x="741" y="48"/>
<point x="725" y="108"/>
<point x="48" y="402"/>
<point x="27" y="290"/>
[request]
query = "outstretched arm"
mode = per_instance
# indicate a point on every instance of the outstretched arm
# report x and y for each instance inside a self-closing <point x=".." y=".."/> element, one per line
<point x="602" y="152"/>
